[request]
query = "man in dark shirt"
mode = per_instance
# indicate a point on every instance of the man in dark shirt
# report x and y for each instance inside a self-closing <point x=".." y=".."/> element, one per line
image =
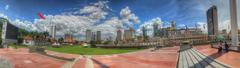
<point x="226" y="46"/>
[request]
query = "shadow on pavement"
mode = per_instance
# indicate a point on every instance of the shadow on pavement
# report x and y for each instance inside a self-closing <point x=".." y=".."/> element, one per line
<point x="100" y="64"/>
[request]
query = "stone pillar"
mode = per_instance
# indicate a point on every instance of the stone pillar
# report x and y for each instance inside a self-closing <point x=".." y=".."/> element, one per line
<point x="234" y="24"/>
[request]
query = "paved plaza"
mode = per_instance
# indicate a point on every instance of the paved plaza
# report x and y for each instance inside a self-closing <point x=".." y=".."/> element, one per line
<point x="163" y="58"/>
<point x="230" y="58"/>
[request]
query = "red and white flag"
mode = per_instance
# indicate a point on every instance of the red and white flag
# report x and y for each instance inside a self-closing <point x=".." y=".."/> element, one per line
<point x="40" y="15"/>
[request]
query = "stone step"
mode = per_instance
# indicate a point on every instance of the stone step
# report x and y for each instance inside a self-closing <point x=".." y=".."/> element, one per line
<point x="211" y="61"/>
<point x="185" y="63"/>
<point x="200" y="60"/>
<point x="194" y="61"/>
<point x="189" y="60"/>
<point x="180" y="60"/>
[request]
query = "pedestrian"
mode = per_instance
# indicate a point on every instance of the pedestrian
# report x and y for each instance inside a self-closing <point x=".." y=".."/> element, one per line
<point x="226" y="46"/>
<point x="220" y="47"/>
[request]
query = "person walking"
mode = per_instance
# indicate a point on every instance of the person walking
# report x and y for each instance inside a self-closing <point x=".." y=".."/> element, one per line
<point x="220" y="47"/>
<point x="226" y="46"/>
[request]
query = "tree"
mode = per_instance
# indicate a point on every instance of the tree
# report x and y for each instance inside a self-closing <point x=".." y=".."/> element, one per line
<point x="61" y="40"/>
<point x="21" y="35"/>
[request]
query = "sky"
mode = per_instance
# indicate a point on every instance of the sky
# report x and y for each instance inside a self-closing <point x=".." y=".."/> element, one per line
<point x="108" y="16"/>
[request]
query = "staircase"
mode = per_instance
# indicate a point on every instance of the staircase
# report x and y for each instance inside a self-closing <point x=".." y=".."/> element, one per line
<point x="191" y="58"/>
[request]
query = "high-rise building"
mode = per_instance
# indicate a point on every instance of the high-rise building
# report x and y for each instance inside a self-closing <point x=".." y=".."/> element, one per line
<point x="173" y="25"/>
<point x="88" y="35"/>
<point x="129" y="34"/>
<point x="99" y="36"/>
<point x="212" y="20"/>
<point x="119" y="35"/>
<point x="93" y="37"/>
<point x="52" y="31"/>
<point x="144" y="32"/>
<point x="155" y="29"/>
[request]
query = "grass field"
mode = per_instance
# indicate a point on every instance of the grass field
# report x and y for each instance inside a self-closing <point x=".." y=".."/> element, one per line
<point x="76" y="49"/>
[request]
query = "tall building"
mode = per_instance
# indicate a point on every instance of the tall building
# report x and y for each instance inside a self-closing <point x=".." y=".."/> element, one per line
<point x="212" y="20"/>
<point x="53" y="31"/>
<point x="119" y="35"/>
<point x="88" y="35"/>
<point x="132" y="31"/>
<point x="155" y="29"/>
<point x="129" y="34"/>
<point x="99" y="36"/>
<point x="173" y="25"/>
<point x="144" y="32"/>
<point x="93" y="37"/>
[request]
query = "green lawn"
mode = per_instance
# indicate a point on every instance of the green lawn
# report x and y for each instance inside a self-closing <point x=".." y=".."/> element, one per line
<point x="76" y="49"/>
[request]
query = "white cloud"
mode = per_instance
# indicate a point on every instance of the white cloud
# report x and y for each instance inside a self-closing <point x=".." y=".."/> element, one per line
<point x="95" y="11"/>
<point x="203" y="27"/>
<point x="225" y="25"/>
<point x="77" y="22"/>
<point x="181" y="26"/>
<point x="6" y="7"/>
<point x="128" y="17"/>
<point x="67" y="22"/>
<point x="4" y="16"/>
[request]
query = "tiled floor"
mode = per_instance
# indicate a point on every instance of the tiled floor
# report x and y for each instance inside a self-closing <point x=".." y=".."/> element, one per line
<point x="230" y="58"/>
<point x="162" y="58"/>
<point x="20" y="58"/>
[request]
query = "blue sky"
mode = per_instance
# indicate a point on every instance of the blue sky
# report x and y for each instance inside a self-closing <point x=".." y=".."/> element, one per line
<point x="71" y="13"/>
<point x="182" y="11"/>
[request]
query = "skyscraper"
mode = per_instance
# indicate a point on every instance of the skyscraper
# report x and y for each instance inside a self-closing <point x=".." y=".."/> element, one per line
<point x="88" y="35"/>
<point x="132" y="32"/>
<point x="52" y="31"/>
<point x="144" y="32"/>
<point x="173" y="25"/>
<point x="155" y="29"/>
<point x="129" y="34"/>
<point x="212" y="20"/>
<point x="99" y="36"/>
<point x="93" y="37"/>
<point x="119" y="35"/>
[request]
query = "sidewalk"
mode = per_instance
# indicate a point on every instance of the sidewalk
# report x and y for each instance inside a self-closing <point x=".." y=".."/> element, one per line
<point x="162" y="58"/>
<point x="20" y="58"/>
<point x="231" y="58"/>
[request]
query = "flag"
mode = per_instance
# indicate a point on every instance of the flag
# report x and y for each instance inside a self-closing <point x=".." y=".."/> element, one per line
<point x="40" y="15"/>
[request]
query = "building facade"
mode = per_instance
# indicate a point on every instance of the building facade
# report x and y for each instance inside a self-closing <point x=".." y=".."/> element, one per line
<point x="155" y="29"/>
<point x="119" y="35"/>
<point x="88" y="35"/>
<point x="173" y="25"/>
<point x="144" y="32"/>
<point x="212" y="20"/>
<point x="93" y="37"/>
<point x="52" y="31"/>
<point x="129" y="34"/>
<point x="99" y="36"/>
<point x="68" y="38"/>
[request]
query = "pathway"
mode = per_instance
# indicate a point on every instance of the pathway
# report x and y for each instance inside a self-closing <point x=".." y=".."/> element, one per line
<point x="231" y="58"/>
<point x="191" y="58"/>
